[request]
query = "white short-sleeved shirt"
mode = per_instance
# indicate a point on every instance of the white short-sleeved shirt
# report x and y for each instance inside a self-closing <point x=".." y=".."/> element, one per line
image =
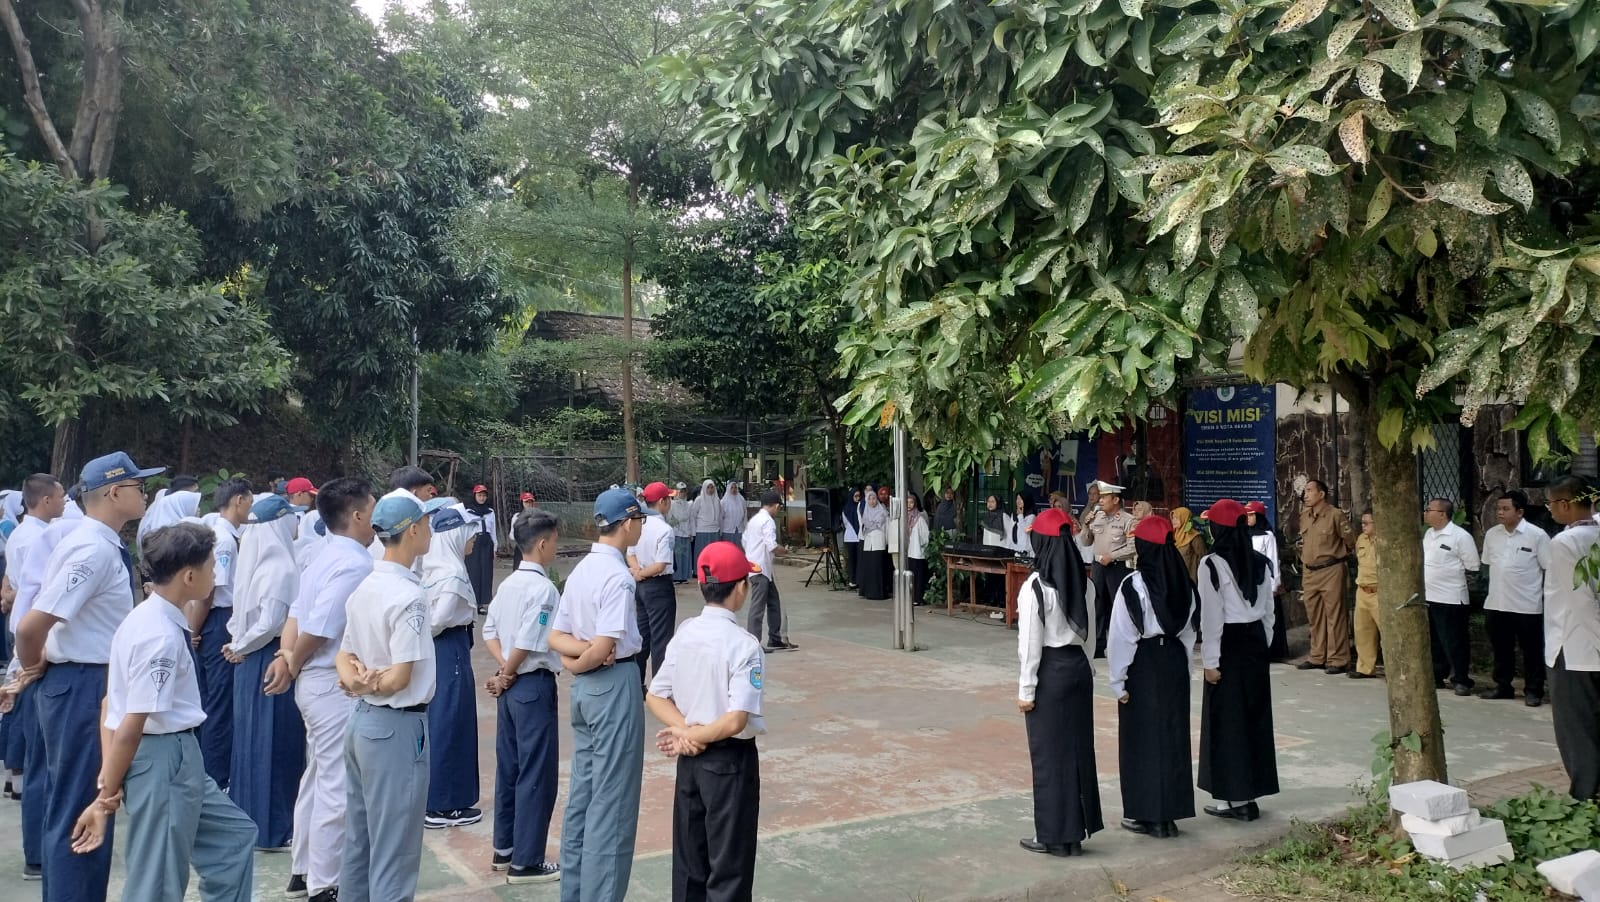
<point x="1571" y="613"/>
<point x="152" y="671"/>
<point x="598" y="601"/>
<point x="386" y="623"/>
<point x="319" y="608"/>
<point x="87" y="586"/>
<point x="1447" y="556"/>
<point x="713" y="666"/>
<point x="226" y="553"/>
<point x="655" y="544"/>
<point x="25" y="579"/>
<point x="760" y="539"/>
<point x="1517" y="561"/>
<point x="307" y="542"/>
<point x="520" y="617"/>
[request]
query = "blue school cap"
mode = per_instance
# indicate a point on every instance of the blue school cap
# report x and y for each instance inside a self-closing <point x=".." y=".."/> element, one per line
<point x="113" y="468"/>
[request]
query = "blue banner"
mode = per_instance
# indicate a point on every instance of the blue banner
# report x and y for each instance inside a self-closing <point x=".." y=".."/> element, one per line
<point x="1230" y="447"/>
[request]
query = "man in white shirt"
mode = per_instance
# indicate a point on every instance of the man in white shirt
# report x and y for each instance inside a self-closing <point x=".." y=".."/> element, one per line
<point x="1448" y="555"/>
<point x="1572" y="635"/>
<point x="760" y="543"/>
<point x="1517" y="554"/>
<point x="208" y="619"/>
<point x="651" y="564"/>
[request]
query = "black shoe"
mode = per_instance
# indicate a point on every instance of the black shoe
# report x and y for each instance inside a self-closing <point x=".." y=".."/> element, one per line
<point x="499" y="862"/>
<point x="1141" y="827"/>
<point x="331" y="894"/>
<point x="1165" y="830"/>
<point x="32" y="872"/>
<point x="773" y="648"/>
<point x="1498" y="692"/>
<point x="1358" y="675"/>
<point x="1060" y="851"/>
<point x="1533" y="701"/>
<point x="297" y="887"/>
<point x="539" y="873"/>
<point x="1309" y="665"/>
<point x="790" y="646"/>
<point x="1246" y="812"/>
<point x="1463" y="690"/>
<point x="459" y="817"/>
<point x="1335" y="671"/>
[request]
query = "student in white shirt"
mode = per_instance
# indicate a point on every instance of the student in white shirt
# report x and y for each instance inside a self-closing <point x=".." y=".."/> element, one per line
<point x="527" y="734"/>
<point x="386" y="661"/>
<point x="1448" y="555"/>
<point x="453" y="714"/>
<point x="682" y="523"/>
<point x="708" y="695"/>
<point x="1017" y="524"/>
<point x="734" y="513"/>
<point x="760" y="543"/>
<point x="1517" y="554"/>
<point x="208" y="619"/>
<point x="917" y="549"/>
<point x="650" y="562"/>
<point x="1055" y="693"/>
<point x="302" y="494"/>
<point x="706" y="514"/>
<point x="64" y="643"/>
<point x="177" y="818"/>
<point x="852" y="536"/>
<point x="1572" y="635"/>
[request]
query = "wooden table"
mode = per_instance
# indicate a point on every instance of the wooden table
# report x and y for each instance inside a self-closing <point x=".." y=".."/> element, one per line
<point x="1014" y="571"/>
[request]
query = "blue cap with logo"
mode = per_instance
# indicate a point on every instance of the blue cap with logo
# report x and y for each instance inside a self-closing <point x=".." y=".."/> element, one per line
<point x="399" y="510"/>
<point x="113" y="468"/>
<point x="272" y="507"/>
<point x="448" y="518"/>
<point x="616" y="505"/>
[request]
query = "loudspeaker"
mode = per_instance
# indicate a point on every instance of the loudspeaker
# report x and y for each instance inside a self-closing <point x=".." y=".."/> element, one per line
<point x="825" y="509"/>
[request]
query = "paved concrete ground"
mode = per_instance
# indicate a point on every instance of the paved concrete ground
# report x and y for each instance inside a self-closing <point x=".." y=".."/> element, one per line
<point x="904" y="776"/>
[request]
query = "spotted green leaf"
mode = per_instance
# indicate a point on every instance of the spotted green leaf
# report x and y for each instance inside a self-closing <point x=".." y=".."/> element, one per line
<point x="1488" y="107"/>
<point x="1300" y="12"/>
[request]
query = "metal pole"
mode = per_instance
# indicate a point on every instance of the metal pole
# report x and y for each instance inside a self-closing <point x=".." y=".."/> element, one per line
<point x="416" y="405"/>
<point x="904" y="633"/>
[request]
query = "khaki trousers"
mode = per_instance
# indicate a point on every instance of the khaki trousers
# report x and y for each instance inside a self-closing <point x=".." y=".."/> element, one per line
<point x="1323" y="594"/>
<point x="1366" y="629"/>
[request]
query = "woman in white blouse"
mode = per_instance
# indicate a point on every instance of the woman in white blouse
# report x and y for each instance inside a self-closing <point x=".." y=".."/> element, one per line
<point x="1017" y="524"/>
<point x="917" y="549"/>
<point x="1055" y="613"/>
<point x="1265" y="540"/>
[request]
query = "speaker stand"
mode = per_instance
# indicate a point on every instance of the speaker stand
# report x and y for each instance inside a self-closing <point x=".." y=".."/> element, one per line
<point x="828" y="562"/>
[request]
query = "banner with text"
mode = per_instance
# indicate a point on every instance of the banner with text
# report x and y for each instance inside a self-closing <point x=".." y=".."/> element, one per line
<point x="1230" y="447"/>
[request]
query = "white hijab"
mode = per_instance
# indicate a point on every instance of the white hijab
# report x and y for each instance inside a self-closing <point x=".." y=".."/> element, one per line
<point x="444" y="567"/>
<point x="266" y="568"/>
<point x="170" y="509"/>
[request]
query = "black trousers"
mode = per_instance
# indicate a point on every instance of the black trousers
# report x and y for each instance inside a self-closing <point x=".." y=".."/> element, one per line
<point x="1575" y="700"/>
<point x="480" y="569"/>
<point x="715" y="807"/>
<point x="1107" y="580"/>
<point x="1452" y="652"/>
<point x="1506" y="632"/>
<point x="657" y="612"/>
<point x="852" y="560"/>
<point x="919" y="579"/>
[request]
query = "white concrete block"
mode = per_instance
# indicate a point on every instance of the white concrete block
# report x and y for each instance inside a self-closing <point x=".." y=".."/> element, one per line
<point x="1488" y="834"/>
<point x="1491" y="856"/>
<point x="1449" y="826"/>
<point x="1429" y="799"/>
<point x="1563" y="872"/>
<point x="1587" y="885"/>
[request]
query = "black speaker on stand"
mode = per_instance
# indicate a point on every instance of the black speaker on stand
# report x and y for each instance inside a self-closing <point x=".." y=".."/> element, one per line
<point x="824" y="519"/>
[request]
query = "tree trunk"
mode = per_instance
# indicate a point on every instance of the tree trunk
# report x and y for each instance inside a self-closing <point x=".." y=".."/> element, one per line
<point x="840" y="458"/>
<point x="1355" y="393"/>
<point x="1402" y="613"/>
<point x="183" y="447"/>
<point x="630" y="448"/>
<point x="64" y="451"/>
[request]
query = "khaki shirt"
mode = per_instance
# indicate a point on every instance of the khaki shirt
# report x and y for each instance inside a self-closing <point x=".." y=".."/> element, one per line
<point x="1109" y="536"/>
<point x="1366" y="561"/>
<point x="1325" y="534"/>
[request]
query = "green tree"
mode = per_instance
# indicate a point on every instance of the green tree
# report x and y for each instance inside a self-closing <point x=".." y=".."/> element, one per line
<point x="1055" y="208"/>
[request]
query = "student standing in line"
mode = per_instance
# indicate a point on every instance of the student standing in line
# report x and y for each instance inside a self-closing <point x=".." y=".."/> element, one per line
<point x="1265" y="540"/>
<point x="305" y="661"/>
<point x="527" y="734"/>
<point x="177" y="816"/>
<point x="597" y="634"/>
<point x="917" y="549"/>
<point x="64" y="643"/>
<point x="872" y="578"/>
<point x="852" y="538"/>
<point x="708" y="694"/>
<point x="208" y="621"/>
<point x="453" y="714"/>
<point x="1055" y="622"/>
<point x="269" y="739"/>
<point x="1238" y="763"/>
<point x="734" y="513"/>
<point x="386" y="661"/>
<point x="1152" y="633"/>
<point x="480" y="560"/>
<point x="650" y="562"/>
<point x="302" y="495"/>
<point x="706" y="512"/>
<point x="682" y="536"/>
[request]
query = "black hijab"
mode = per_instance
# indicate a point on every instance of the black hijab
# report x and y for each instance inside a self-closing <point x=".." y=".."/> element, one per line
<point x="1263" y="526"/>
<point x="1056" y="560"/>
<point x="1232" y="544"/>
<point x="478" y="510"/>
<point x="993" y="520"/>
<point x="1166" y="578"/>
<point x="852" y="511"/>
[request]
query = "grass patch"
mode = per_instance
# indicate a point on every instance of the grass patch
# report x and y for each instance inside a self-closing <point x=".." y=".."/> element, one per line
<point x="1358" y="857"/>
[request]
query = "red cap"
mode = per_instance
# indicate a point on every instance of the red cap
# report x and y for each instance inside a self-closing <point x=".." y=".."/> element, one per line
<point x="1226" y="512"/>
<point x="655" y="491"/>
<point x="1153" y="529"/>
<point x="1050" y="523"/>
<point x="1255" y="507"/>
<point x="724" y="562"/>
<point x="527" y="496"/>
<point x="480" y="488"/>
<point x="299" y="484"/>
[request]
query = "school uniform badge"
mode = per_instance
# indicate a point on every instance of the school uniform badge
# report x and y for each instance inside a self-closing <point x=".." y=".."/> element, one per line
<point x="78" y="575"/>
<point x="755" y="677"/>
<point x="161" y="671"/>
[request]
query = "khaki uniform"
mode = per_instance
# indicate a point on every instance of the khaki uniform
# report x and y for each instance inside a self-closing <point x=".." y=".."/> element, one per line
<point x="1366" y="603"/>
<point x="1325" y="536"/>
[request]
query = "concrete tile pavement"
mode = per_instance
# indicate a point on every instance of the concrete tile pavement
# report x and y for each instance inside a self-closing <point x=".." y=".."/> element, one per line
<point x="890" y="775"/>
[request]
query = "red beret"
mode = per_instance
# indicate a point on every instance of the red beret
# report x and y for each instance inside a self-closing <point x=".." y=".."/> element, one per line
<point x="1153" y="529"/>
<point x="1050" y="523"/>
<point x="1226" y="512"/>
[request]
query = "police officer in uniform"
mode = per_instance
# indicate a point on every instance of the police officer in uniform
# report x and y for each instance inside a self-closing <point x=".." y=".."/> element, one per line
<point x="708" y="693"/>
<point x="1106" y="535"/>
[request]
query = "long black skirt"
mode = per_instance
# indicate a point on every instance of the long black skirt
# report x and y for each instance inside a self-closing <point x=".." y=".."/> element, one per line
<point x="919" y="579"/>
<point x="872" y="575"/>
<point x="852" y="561"/>
<point x="480" y="570"/>
<point x="1153" y="734"/>
<point x="1066" y="797"/>
<point x="1237" y="759"/>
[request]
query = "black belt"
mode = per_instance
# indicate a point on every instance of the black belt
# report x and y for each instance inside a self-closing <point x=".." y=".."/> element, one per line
<point x="76" y="665"/>
<point x="1156" y="640"/>
<point x="656" y="577"/>
<point x="186" y="732"/>
<point x="1326" y="564"/>
<point x="415" y="709"/>
<point x="453" y="629"/>
<point x="628" y="660"/>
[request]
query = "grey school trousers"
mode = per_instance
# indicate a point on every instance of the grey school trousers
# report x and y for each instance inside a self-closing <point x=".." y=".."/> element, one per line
<point x="386" y="775"/>
<point x="602" y="816"/>
<point x="764" y="602"/>
<point x="176" y="816"/>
